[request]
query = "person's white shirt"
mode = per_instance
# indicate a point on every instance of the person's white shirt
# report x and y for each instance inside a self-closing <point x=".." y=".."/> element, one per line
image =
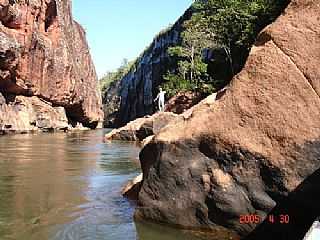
<point x="161" y="97"/>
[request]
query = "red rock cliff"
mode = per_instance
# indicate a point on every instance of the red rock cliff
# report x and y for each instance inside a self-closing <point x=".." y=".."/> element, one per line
<point x="44" y="53"/>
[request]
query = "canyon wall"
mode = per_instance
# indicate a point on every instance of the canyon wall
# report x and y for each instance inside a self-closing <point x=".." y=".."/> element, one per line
<point x="249" y="150"/>
<point x="133" y="96"/>
<point x="45" y="60"/>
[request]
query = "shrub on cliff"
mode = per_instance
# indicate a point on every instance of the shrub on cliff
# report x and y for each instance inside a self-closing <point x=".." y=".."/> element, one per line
<point x="237" y="22"/>
<point x="114" y="76"/>
<point x="229" y="25"/>
<point x="191" y="68"/>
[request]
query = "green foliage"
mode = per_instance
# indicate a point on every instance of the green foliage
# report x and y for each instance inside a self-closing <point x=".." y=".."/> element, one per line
<point x="237" y="22"/>
<point x="231" y="25"/>
<point x="174" y="83"/>
<point x="191" y="67"/>
<point x="114" y="76"/>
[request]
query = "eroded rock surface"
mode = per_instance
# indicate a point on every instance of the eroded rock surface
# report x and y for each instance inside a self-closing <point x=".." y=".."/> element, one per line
<point x="245" y="152"/>
<point x="44" y="54"/>
<point x="132" y="188"/>
<point x="142" y="128"/>
<point x="24" y="114"/>
<point x="182" y="101"/>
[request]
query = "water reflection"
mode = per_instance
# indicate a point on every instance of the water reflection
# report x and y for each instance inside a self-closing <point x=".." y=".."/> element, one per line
<point x="67" y="186"/>
<point x="38" y="180"/>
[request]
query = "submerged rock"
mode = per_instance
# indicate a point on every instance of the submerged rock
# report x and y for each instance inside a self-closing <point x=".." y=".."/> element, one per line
<point x="243" y="153"/>
<point x="44" y="55"/>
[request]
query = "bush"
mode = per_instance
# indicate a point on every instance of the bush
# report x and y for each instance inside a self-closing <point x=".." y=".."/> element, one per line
<point x="174" y="83"/>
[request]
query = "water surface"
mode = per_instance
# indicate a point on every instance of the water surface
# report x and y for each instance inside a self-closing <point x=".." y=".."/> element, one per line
<point x="67" y="187"/>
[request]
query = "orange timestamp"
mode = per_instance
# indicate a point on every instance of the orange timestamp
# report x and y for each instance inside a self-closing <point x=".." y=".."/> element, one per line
<point x="256" y="219"/>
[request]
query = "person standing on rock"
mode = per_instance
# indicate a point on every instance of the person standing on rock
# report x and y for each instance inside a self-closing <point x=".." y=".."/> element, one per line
<point x="160" y="98"/>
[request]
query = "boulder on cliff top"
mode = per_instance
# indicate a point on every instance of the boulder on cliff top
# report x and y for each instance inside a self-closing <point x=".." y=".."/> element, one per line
<point x="244" y="153"/>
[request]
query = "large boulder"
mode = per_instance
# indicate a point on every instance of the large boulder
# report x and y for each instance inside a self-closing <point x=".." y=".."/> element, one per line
<point x="141" y="128"/>
<point x="245" y="152"/>
<point x="182" y="101"/>
<point x="44" y="53"/>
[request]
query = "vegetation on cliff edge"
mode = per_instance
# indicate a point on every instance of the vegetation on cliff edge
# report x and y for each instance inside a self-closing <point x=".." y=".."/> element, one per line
<point x="113" y="76"/>
<point x="127" y="66"/>
<point x="214" y="45"/>
<point x="227" y="28"/>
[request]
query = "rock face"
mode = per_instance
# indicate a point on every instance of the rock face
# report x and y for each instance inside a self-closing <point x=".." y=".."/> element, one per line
<point x="131" y="190"/>
<point x="44" y="54"/>
<point x="133" y="96"/>
<point x="31" y="114"/>
<point x="245" y="152"/>
<point x="111" y="100"/>
<point x="314" y="231"/>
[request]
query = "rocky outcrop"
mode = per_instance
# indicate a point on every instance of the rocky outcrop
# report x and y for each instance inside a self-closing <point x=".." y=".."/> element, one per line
<point x="44" y="54"/>
<point x="244" y="153"/>
<point x="182" y="101"/>
<point x="132" y="188"/>
<point x="133" y="96"/>
<point x="141" y="128"/>
<point x="24" y="114"/>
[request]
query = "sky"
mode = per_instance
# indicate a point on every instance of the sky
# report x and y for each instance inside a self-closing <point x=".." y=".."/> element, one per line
<point x="118" y="29"/>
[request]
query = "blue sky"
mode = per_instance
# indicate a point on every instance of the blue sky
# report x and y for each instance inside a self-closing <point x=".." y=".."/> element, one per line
<point x="118" y="29"/>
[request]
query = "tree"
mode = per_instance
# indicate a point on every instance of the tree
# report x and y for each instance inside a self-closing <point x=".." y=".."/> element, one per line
<point x="236" y="23"/>
<point x="195" y="38"/>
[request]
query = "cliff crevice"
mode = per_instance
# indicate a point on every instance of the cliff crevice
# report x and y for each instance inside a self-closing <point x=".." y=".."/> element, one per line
<point x="307" y="78"/>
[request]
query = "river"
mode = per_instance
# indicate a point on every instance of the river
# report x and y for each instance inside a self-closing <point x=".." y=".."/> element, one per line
<point x="66" y="186"/>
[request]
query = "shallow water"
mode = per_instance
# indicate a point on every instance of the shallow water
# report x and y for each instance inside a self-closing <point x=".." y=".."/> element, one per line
<point x="67" y="187"/>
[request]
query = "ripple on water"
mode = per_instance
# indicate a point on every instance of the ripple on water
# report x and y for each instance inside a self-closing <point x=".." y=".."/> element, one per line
<point x="67" y="187"/>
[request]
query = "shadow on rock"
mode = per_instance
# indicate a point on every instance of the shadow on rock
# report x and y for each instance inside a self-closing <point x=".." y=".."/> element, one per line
<point x="302" y="207"/>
